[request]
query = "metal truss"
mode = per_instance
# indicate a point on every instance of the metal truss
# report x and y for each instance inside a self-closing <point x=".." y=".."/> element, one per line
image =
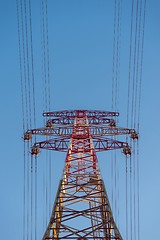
<point x="80" y="113"/>
<point x="100" y="144"/>
<point x="80" y="130"/>
<point x="81" y="209"/>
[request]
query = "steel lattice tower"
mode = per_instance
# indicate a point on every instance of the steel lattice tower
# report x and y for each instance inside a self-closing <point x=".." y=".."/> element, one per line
<point x="81" y="209"/>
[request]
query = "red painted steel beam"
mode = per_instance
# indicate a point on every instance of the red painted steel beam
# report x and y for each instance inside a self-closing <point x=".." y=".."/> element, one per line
<point x="72" y="113"/>
<point x="66" y="131"/>
<point x="100" y="144"/>
<point x="70" y="120"/>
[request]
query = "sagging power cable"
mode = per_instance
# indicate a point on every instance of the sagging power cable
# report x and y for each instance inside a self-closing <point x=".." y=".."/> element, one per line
<point x="115" y="99"/>
<point x="138" y="11"/>
<point x="25" y="42"/>
<point x="46" y="105"/>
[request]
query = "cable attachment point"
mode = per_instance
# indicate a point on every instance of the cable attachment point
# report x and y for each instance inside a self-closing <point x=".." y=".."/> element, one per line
<point x="134" y="135"/>
<point x="49" y="124"/>
<point x="35" y="150"/>
<point x="112" y="123"/>
<point x="27" y="136"/>
<point x="127" y="150"/>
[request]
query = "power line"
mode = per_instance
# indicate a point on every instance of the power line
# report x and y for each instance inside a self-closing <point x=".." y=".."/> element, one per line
<point x="48" y="62"/>
<point x="32" y="65"/>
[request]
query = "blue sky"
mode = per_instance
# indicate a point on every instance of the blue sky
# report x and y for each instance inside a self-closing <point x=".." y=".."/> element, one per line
<point x="81" y="47"/>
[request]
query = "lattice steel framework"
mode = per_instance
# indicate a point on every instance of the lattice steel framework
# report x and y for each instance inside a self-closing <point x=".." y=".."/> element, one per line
<point x="81" y="209"/>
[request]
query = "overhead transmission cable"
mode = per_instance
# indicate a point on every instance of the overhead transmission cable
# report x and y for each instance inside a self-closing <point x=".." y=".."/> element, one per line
<point x="113" y="94"/>
<point x="119" y="16"/>
<point x="115" y="98"/>
<point x="129" y="173"/>
<point x="24" y="23"/>
<point x="135" y="148"/>
<point x="139" y="23"/>
<point x="23" y="118"/>
<point x="133" y="109"/>
<point x="30" y="157"/>
<point x="46" y="102"/>
<point x="139" y="108"/>
<point x="48" y="61"/>
<point x="26" y="116"/>
<point x="44" y="108"/>
<point x="44" y="79"/>
<point x="141" y="61"/>
<point x="49" y="104"/>
<point x="34" y="116"/>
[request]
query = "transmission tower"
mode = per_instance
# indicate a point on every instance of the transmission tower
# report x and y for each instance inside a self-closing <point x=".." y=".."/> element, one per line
<point x="81" y="209"/>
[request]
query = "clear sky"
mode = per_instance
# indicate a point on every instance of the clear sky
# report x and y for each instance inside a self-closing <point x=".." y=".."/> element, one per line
<point x="81" y="47"/>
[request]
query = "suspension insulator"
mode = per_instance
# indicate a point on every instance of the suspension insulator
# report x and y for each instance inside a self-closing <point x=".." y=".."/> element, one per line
<point x="127" y="150"/>
<point x="112" y="123"/>
<point x="27" y="136"/>
<point x="49" y="124"/>
<point x="134" y="135"/>
<point x="35" y="150"/>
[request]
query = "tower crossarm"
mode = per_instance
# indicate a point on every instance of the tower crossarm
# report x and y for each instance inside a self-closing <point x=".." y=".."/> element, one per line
<point x="88" y="113"/>
<point x="99" y="143"/>
<point x="65" y="120"/>
<point x="66" y="130"/>
<point x="109" y="131"/>
<point x="104" y="144"/>
<point x="57" y="144"/>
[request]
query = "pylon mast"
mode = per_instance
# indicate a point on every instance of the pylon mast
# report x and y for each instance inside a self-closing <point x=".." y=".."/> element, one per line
<point x="81" y="209"/>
